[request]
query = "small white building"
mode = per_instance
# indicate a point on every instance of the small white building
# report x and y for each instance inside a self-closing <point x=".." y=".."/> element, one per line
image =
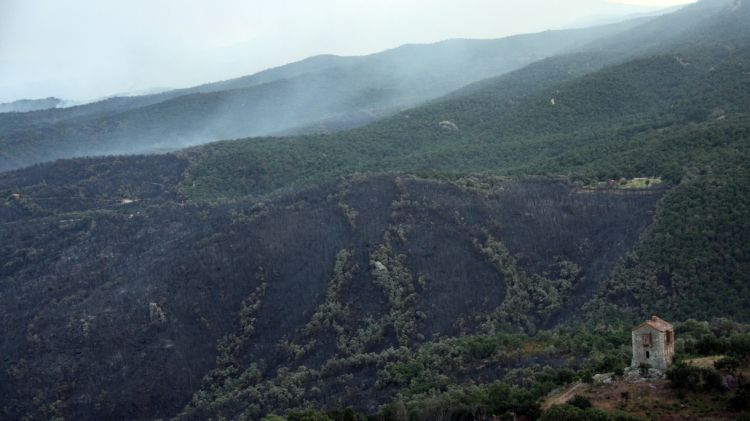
<point x="653" y="344"/>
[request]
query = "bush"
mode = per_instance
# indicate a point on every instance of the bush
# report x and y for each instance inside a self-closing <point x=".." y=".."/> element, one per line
<point x="395" y="411"/>
<point x="712" y="380"/>
<point x="692" y="378"/>
<point x="741" y="399"/>
<point x="563" y="413"/>
<point x="739" y="346"/>
<point x="273" y="417"/>
<point x="307" y="415"/>
<point x="572" y="413"/>
<point x="612" y="363"/>
<point x="728" y="364"/>
<point x="709" y="345"/>
<point x="480" y="347"/>
<point x="580" y="402"/>
<point x="565" y="376"/>
<point x="346" y="415"/>
<point x="684" y="376"/>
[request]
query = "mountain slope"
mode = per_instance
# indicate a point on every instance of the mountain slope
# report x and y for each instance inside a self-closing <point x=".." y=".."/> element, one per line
<point x="354" y="90"/>
<point x="395" y="249"/>
<point x="493" y="133"/>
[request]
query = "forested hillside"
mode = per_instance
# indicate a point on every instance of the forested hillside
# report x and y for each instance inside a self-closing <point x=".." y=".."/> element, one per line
<point x="320" y="94"/>
<point x="460" y="259"/>
<point x="544" y="131"/>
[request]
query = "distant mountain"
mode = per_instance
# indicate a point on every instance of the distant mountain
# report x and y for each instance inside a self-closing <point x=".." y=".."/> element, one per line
<point x="26" y="105"/>
<point x="349" y="91"/>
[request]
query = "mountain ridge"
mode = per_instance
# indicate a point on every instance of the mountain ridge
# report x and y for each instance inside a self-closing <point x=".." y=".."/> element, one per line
<point x="396" y="78"/>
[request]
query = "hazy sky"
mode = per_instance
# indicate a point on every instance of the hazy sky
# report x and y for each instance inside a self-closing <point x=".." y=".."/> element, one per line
<point x="83" y="49"/>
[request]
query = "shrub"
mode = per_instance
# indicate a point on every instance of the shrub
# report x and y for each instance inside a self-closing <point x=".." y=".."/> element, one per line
<point x="684" y="376"/>
<point x="480" y="347"/>
<point x="346" y="415"/>
<point x="273" y="417"/>
<point x="692" y="378"/>
<point x="739" y="346"/>
<point x="572" y="413"/>
<point x="563" y="413"/>
<point x="712" y="379"/>
<point x="612" y="363"/>
<point x="565" y="376"/>
<point x="710" y="345"/>
<point x="728" y="364"/>
<point x="307" y="415"/>
<point x="580" y="402"/>
<point x="741" y="399"/>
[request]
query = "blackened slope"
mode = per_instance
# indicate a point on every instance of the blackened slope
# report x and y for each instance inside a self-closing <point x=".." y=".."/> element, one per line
<point x="426" y="275"/>
<point x="115" y="312"/>
<point x="88" y="184"/>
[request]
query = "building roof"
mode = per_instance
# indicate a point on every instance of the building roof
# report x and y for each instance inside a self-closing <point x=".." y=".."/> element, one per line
<point x="656" y="323"/>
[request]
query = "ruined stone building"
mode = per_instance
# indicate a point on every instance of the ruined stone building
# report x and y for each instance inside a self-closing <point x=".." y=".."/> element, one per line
<point x="653" y="344"/>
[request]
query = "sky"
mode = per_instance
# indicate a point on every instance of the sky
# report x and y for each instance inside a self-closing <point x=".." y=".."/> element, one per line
<point x="87" y="49"/>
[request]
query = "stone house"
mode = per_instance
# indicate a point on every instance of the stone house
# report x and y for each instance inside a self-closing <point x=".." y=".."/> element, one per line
<point x="653" y="344"/>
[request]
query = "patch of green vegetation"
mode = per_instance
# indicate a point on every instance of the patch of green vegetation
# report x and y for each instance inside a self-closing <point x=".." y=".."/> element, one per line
<point x="693" y="261"/>
<point x="528" y="299"/>
<point x="574" y="413"/>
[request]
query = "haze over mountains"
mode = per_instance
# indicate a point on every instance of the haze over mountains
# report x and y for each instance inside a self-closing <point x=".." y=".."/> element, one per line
<point x="451" y="258"/>
<point x="318" y="95"/>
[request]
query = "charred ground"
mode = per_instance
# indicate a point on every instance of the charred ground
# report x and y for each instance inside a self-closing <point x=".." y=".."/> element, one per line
<point x="145" y="290"/>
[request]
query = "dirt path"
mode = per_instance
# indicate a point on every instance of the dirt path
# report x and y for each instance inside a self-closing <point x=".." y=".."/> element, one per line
<point x="563" y="396"/>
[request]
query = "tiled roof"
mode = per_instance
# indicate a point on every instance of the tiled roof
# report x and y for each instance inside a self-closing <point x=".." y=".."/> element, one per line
<point x="656" y="323"/>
